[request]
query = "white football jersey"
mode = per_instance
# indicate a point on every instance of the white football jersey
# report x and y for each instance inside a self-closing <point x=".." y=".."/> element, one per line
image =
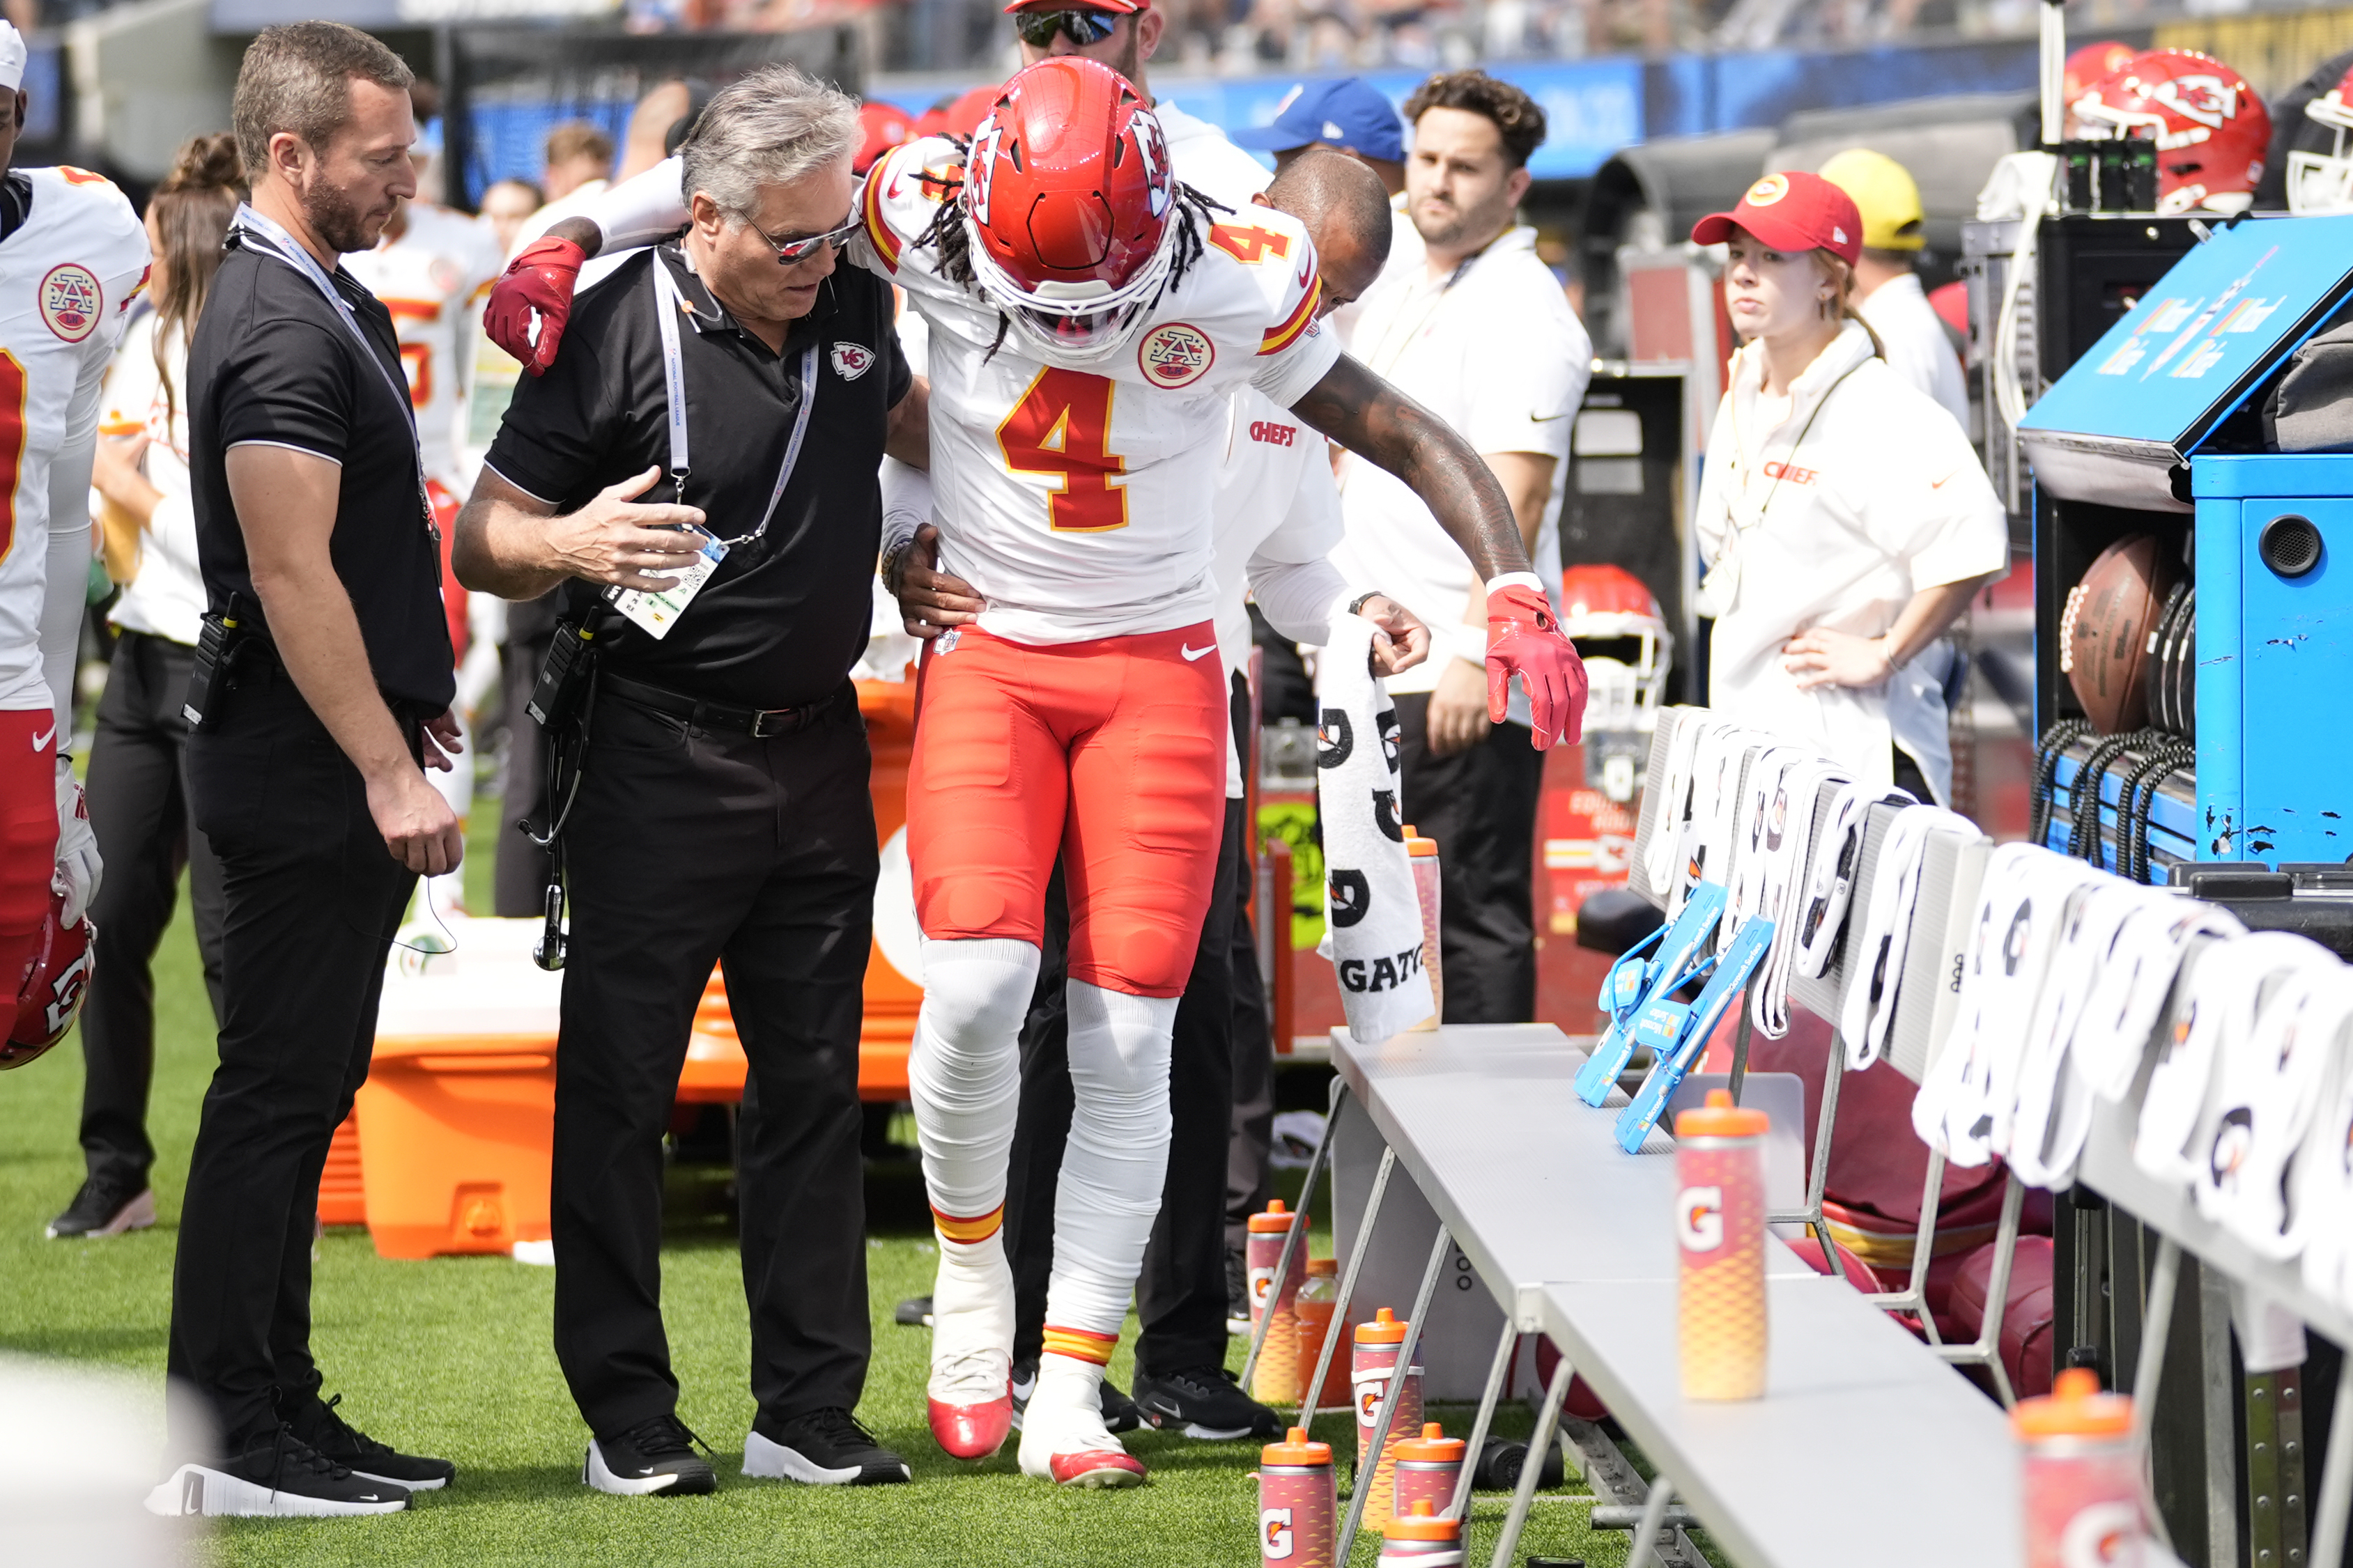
<point x="430" y="279"/>
<point x="1076" y="498"/>
<point x="67" y="277"/>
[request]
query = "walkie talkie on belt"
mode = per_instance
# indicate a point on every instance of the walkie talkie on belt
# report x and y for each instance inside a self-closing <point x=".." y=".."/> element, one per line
<point x="225" y="636"/>
<point x="562" y="702"/>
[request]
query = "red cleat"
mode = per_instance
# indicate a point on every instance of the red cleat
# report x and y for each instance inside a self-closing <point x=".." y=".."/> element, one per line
<point x="971" y="1431"/>
<point x="1098" y="1468"/>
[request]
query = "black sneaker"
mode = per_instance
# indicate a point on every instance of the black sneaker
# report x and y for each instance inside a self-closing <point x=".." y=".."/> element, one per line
<point x="106" y="1207"/>
<point x="1205" y="1403"/>
<point x="1237" y="1301"/>
<point x="347" y="1446"/>
<point x="1119" y="1412"/>
<point x="276" y="1477"/>
<point x="825" y="1448"/>
<point x="914" y="1312"/>
<point x="654" y="1456"/>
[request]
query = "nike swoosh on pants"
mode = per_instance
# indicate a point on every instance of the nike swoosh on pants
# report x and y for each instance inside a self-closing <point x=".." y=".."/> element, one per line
<point x="1193" y="652"/>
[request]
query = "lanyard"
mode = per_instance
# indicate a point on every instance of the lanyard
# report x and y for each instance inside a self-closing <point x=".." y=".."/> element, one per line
<point x="1393" y="346"/>
<point x="668" y="305"/>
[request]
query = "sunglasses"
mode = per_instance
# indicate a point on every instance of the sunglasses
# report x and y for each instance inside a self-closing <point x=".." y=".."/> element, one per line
<point x="791" y="250"/>
<point x="1037" y="28"/>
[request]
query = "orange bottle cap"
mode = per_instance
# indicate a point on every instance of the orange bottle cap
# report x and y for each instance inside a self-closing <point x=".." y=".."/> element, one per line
<point x="1323" y="1267"/>
<point x="1296" y="1449"/>
<point x="2073" y="1408"/>
<point x="1422" y="1524"/>
<point x="1719" y="1118"/>
<point x="1415" y="843"/>
<point x="1386" y="1328"/>
<point x="1432" y="1447"/>
<point x="1274" y="1220"/>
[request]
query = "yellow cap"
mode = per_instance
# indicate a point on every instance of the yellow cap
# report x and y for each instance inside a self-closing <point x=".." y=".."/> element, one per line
<point x="1884" y="194"/>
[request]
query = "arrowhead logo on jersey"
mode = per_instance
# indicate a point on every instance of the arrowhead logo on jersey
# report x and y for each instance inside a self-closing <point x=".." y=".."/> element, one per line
<point x="71" y="301"/>
<point x="851" y="360"/>
<point x="1174" y="354"/>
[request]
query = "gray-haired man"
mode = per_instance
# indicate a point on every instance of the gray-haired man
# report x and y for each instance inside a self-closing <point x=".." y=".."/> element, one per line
<point x="722" y="812"/>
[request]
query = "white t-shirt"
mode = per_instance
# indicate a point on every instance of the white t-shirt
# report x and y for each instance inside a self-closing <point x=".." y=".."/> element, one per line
<point x="1919" y="350"/>
<point x="1884" y="497"/>
<point x="1493" y="350"/>
<point x="1204" y="159"/>
<point x="165" y="596"/>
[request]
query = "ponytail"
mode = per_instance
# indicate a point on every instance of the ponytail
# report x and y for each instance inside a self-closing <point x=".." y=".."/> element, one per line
<point x="193" y="206"/>
<point x="1841" y="305"/>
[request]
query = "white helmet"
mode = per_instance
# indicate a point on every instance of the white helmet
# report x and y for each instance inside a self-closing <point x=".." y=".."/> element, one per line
<point x="2320" y="182"/>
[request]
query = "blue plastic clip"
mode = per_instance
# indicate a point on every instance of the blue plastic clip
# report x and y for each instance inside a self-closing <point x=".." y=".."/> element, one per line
<point x="1678" y="961"/>
<point x="1699" y="1021"/>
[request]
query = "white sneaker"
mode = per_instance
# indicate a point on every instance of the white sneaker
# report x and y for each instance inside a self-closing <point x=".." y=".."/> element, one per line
<point x="1064" y="1439"/>
<point x="278" y="1477"/>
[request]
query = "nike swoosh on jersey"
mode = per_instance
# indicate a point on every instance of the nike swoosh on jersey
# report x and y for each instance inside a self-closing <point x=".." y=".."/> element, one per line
<point x="1193" y="652"/>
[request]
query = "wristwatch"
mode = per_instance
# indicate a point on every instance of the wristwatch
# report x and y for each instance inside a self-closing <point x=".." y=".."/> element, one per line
<point x="1357" y="605"/>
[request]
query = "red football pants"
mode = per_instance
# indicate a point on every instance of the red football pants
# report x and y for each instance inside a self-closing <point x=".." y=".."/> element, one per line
<point x="1113" y="751"/>
<point x="28" y="835"/>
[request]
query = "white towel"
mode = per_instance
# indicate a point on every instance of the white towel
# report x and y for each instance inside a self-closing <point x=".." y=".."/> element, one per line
<point x="1372" y="917"/>
<point x="1877" y="970"/>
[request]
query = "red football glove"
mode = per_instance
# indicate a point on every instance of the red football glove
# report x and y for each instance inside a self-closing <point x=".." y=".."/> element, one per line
<point x="1525" y="636"/>
<point x="527" y="310"/>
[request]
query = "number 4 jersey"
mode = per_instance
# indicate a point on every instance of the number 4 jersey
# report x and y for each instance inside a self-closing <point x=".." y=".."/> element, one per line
<point x="1076" y="498"/>
<point x="68" y="274"/>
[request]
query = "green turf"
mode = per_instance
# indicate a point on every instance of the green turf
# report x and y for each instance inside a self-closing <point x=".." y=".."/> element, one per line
<point x="451" y="1356"/>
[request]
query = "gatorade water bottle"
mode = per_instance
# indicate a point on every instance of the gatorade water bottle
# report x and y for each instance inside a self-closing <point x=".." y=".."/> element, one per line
<point x="1427" y="1469"/>
<point x="1298" y="1511"/>
<point x="1423" y="852"/>
<point x="1423" y="1538"/>
<point x="1720" y="1224"/>
<point x="1377" y="1344"/>
<point x="1318" y="1294"/>
<point x="1275" y="1379"/>
<point x="2083" y="1474"/>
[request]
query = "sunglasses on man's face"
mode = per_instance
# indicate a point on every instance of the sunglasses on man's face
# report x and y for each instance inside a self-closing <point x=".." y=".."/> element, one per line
<point x="789" y="251"/>
<point x="1037" y="28"/>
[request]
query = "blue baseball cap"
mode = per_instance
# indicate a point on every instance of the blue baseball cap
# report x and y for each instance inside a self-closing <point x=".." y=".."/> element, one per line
<point x="1343" y="113"/>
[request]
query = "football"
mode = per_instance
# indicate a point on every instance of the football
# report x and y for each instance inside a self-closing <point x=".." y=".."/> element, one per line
<point x="2105" y="632"/>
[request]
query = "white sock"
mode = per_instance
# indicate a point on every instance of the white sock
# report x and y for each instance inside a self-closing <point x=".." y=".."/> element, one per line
<point x="963" y="1074"/>
<point x="1065" y="1415"/>
<point x="1117" y="1157"/>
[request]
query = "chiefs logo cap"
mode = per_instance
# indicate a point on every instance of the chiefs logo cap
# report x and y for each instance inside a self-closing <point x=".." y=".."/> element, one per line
<point x="1791" y="211"/>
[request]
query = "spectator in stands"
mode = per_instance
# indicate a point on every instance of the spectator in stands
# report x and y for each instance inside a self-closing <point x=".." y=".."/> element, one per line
<point x="138" y="763"/>
<point x="1345" y="115"/>
<point x="1481" y="333"/>
<point x="507" y="206"/>
<point x="1887" y="293"/>
<point x="578" y="155"/>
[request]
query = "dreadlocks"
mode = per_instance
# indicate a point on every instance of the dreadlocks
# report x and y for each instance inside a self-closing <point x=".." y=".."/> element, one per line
<point x="947" y="234"/>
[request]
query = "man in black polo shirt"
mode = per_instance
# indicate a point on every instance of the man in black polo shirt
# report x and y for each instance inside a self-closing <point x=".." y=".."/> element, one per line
<point x="316" y="542"/>
<point x="721" y="811"/>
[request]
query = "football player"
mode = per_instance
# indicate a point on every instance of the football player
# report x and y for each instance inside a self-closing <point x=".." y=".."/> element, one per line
<point x="72" y="256"/>
<point x="1091" y="319"/>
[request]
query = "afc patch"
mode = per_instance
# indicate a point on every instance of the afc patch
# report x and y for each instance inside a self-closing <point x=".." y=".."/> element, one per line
<point x="1175" y="355"/>
<point x="851" y="360"/>
<point x="71" y="298"/>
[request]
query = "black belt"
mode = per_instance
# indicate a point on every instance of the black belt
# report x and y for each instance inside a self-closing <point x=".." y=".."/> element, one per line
<point x="758" y="722"/>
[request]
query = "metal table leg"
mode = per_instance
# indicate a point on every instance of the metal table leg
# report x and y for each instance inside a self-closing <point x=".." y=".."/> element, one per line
<point x="1914" y="1297"/>
<point x="2157" y="1323"/>
<point x="1987" y="1350"/>
<point x="1654" y="1514"/>
<point x="1496" y="1372"/>
<point x="2336" y="1480"/>
<point x="1339" y="1326"/>
<point x="1740" y="1041"/>
<point x="1295" y="1237"/>
<point x="1524" y="1496"/>
<point x="1362" y="1492"/>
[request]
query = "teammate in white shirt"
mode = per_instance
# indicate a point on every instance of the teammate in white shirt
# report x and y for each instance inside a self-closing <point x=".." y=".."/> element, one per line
<point x="72" y="256"/>
<point x="1082" y="370"/>
<point x="1887" y="292"/>
<point x="430" y="269"/>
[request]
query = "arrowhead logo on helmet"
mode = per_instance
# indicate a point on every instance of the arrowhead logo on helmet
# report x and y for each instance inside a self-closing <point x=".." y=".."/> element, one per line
<point x="49" y="992"/>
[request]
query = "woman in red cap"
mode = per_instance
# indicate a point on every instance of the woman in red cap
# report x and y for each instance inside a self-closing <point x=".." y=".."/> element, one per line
<point x="1843" y="519"/>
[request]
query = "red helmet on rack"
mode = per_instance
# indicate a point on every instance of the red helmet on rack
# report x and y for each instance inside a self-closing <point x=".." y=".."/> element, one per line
<point x="1067" y="197"/>
<point x="49" y="992"/>
<point x="2321" y="181"/>
<point x="2093" y="64"/>
<point x="1616" y="625"/>
<point x="2211" y="129"/>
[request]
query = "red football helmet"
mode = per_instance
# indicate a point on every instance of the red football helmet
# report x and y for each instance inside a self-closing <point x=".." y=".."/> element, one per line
<point x="1615" y="623"/>
<point x="883" y="127"/>
<point x="2211" y="129"/>
<point x="2320" y="182"/>
<point x="49" y="992"/>
<point x="1067" y="198"/>
<point x="2093" y="64"/>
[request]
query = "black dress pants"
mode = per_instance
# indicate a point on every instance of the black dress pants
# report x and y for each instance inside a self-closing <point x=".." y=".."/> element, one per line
<point x="1181" y="1296"/>
<point x="689" y="847"/>
<point x="138" y="808"/>
<point x="313" y="900"/>
<point x="1480" y="805"/>
<point x="519" y="874"/>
